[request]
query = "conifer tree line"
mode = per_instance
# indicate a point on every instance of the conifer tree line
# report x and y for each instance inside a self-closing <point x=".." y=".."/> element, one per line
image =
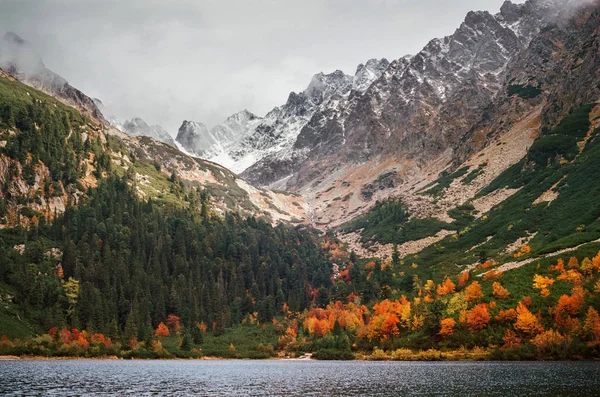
<point x="134" y="263"/>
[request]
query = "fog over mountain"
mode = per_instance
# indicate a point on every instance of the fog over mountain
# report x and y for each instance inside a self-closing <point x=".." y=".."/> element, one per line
<point x="187" y="60"/>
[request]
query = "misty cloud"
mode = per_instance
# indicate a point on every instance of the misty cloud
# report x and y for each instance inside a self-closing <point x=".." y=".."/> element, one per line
<point x="204" y="60"/>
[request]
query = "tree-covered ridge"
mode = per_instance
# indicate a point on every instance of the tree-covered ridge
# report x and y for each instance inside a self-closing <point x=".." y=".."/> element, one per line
<point x="49" y="154"/>
<point x="135" y="263"/>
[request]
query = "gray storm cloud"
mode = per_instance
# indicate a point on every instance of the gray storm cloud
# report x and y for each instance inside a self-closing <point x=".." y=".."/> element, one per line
<point x="204" y="60"/>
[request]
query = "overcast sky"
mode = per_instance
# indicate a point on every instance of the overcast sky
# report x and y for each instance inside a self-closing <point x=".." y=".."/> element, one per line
<point x="203" y="60"/>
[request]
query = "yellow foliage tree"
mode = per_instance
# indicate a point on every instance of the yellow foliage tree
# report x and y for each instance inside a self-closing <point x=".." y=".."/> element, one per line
<point x="591" y="328"/>
<point x="587" y="266"/>
<point x="526" y="321"/>
<point x="542" y="283"/>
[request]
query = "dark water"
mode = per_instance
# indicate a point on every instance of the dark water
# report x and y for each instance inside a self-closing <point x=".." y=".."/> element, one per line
<point x="296" y="378"/>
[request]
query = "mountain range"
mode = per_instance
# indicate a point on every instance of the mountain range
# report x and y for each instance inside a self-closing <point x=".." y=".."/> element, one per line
<point x="326" y="224"/>
<point x="476" y="99"/>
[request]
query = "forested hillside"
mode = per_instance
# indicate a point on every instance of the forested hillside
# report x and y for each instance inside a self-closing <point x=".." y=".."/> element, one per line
<point x="82" y="248"/>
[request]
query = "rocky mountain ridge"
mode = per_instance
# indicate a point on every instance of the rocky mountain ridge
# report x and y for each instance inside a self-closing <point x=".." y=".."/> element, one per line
<point x="44" y="184"/>
<point x="245" y="139"/>
<point x="138" y="127"/>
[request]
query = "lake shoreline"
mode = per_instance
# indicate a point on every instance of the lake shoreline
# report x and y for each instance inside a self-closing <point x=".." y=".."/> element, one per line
<point x="363" y="358"/>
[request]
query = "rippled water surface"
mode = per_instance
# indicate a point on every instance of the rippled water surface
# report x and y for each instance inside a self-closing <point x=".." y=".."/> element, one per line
<point x="296" y="378"/>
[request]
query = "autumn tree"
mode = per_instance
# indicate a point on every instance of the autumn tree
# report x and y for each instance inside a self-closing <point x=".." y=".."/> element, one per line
<point x="587" y="266"/>
<point x="174" y="323"/>
<point x="567" y="309"/>
<point x="526" y="322"/>
<point x="571" y="276"/>
<point x="463" y="278"/>
<point x="542" y="283"/>
<point x="473" y="292"/>
<point x="596" y="262"/>
<point x="591" y="328"/>
<point x="446" y="287"/>
<point x="389" y="327"/>
<point x="478" y="317"/>
<point x="447" y="327"/>
<point x="161" y="331"/>
<point x="573" y="263"/>
<point x="60" y="272"/>
<point x="499" y="291"/>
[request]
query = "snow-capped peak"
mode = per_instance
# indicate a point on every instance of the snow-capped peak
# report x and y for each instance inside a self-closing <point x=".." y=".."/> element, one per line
<point x="367" y="73"/>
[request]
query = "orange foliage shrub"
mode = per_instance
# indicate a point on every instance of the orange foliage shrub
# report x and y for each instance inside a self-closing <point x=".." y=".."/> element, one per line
<point x="478" y="317"/>
<point x="571" y="276"/>
<point x="523" y="251"/>
<point x="596" y="262"/>
<point x="485" y="265"/>
<point x="446" y="288"/>
<point x="559" y="267"/>
<point x="499" y="291"/>
<point x="473" y="292"/>
<point x="161" y="331"/>
<point x="507" y="315"/>
<point x="202" y="326"/>
<point x="101" y="339"/>
<point x="447" y="327"/>
<point x="493" y="275"/>
<point x="567" y="308"/>
<point x="463" y="278"/>
<point x="389" y="328"/>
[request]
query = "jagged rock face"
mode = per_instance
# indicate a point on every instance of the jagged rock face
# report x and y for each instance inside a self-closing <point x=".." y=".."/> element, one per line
<point x="367" y="73"/>
<point x="421" y="105"/>
<point x="20" y="60"/>
<point x="138" y="127"/>
<point x="561" y="62"/>
<point x="245" y="140"/>
<point x="194" y="137"/>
